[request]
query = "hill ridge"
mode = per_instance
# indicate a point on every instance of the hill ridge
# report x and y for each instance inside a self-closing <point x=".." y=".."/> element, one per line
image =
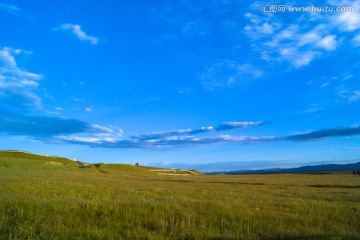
<point x="306" y="168"/>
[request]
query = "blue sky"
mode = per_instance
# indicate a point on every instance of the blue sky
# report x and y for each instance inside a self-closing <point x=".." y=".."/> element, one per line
<point x="181" y="82"/>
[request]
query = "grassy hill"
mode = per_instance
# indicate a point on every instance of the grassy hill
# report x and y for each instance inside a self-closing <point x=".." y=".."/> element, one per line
<point x="46" y="197"/>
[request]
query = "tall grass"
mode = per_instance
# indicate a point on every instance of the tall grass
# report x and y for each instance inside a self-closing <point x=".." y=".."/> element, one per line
<point x="44" y="200"/>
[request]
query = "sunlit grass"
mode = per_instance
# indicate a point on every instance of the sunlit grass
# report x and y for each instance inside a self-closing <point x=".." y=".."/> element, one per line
<point x="44" y="200"/>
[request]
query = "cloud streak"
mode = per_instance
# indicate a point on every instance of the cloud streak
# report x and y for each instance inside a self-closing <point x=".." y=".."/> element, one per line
<point x="221" y="127"/>
<point x="171" y="142"/>
<point x="76" y="30"/>
<point x="38" y="126"/>
<point x="182" y="138"/>
<point x="55" y="129"/>
<point x="10" y="8"/>
<point x="335" y="132"/>
<point x="194" y="141"/>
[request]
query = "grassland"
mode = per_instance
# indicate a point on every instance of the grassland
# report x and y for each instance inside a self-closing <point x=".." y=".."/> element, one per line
<point x="52" y="198"/>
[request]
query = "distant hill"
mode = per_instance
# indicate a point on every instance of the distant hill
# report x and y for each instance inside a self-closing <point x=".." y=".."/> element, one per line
<point x="14" y="160"/>
<point x="28" y="155"/>
<point x="314" y="168"/>
<point x="255" y="166"/>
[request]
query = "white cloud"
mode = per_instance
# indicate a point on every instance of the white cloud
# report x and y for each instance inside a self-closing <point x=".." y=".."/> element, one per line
<point x="18" y="86"/>
<point x="328" y="43"/>
<point x="6" y="58"/>
<point x="349" y="21"/>
<point x="21" y="51"/>
<point x="308" y="38"/>
<point x="265" y="28"/>
<point x="302" y="59"/>
<point x="79" y="33"/>
<point x="94" y="134"/>
<point x="356" y="40"/>
<point x="88" y="109"/>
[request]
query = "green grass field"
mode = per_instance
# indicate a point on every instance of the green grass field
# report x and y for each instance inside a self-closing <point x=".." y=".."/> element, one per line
<point x="52" y="198"/>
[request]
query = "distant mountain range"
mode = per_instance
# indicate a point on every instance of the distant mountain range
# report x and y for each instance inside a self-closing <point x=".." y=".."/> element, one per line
<point x="314" y="168"/>
<point x="260" y="166"/>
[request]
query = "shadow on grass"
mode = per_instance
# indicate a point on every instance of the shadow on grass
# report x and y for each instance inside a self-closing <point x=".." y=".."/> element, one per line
<point x="103" y="171"/>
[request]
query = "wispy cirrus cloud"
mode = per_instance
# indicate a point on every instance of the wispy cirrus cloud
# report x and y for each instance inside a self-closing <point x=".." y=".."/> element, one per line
<point x="293" y="42"/>
<point x="77" y="31"/>
<point x="302" y="37"/>
<point x="221" y="127"/>
<point x="350" y="95"/>
<point x="171" y="139"/>
<point x="234" y="125"/>
<point x="187" y="138"/>
<point x="10" y="8"/>
<point x="190" y="141"/>
<point x="228" y="74"/>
